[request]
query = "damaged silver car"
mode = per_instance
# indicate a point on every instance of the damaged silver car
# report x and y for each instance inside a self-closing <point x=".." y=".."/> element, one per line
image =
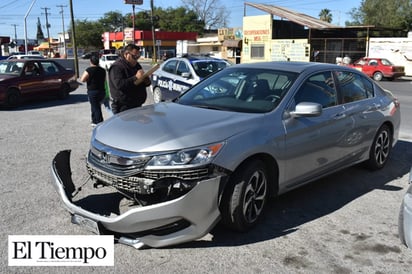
<point x="167" y="173"/>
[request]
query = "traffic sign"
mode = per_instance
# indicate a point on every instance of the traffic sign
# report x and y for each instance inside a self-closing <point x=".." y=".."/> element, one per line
<point x="134" y="2"/>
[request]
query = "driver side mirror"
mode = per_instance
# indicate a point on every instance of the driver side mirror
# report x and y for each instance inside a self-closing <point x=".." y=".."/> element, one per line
<point x="186" y="75"/>
<point x="307" y="109"/>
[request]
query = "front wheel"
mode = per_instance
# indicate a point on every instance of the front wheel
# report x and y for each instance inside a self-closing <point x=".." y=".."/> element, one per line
<point x="245" y="196"/>
<point x="64" y="92"/>
<point x="157" y="95"/>
<point x="13" y="98"/>
<point x="380" y="149"/>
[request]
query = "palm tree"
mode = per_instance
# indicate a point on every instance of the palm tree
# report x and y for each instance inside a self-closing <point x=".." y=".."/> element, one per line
<point x="325" y="15"/>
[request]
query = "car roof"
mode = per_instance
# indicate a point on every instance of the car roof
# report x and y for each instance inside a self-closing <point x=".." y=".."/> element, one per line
<point x="42" y="60"/>
<point x="297" y="67"/>
<point x="193" y="58"/>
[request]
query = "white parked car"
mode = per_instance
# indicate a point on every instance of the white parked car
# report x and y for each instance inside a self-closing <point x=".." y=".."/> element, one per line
<point x="24" y="56"/>
<point x="35" y="52"/>
<point x="107" y="60"/>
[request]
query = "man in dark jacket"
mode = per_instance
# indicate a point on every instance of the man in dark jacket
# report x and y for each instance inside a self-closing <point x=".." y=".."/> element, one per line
<point x="125" y="90"/>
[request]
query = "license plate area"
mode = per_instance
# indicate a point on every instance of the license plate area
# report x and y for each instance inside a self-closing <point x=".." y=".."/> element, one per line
<point x="86" y="223"/>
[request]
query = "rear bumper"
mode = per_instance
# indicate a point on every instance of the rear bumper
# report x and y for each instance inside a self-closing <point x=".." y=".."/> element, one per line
<point x="395" y="75"/>
<point x="181" y="220"/>
<point x="74" y="85"/>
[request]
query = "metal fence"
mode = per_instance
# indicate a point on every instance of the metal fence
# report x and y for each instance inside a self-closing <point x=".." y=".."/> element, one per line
<point x="328" y="49"/>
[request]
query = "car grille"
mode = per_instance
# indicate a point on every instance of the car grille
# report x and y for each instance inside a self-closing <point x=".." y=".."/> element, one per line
<point x="192" y="174"/>
<point x="106" y="164"/>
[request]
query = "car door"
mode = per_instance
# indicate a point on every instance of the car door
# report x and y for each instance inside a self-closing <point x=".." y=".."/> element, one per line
<point x="363" y="107"/>
<point x="33" y="84"/>
<point x="370" y="66"/>
<point x="185" y="77"/>
<point x="52" y="76"/>
<point x="164" y="79"/>
<point x="312" y="144"/>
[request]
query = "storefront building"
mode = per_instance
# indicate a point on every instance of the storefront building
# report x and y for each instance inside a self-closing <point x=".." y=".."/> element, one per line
<point x="164" y="42"/>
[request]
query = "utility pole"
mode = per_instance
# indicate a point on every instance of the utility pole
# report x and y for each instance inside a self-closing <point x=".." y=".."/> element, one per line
<point x="64" y="33"/>
<point x="76" y="60"/>
<point x="154" y="57"/>
<point x="47" y="26"/>
<point x="15" y="32"/>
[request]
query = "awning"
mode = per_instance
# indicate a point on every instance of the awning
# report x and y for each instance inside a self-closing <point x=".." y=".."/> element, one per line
<point x="232" y="43"/>
<point x="42" y="46"/>
<point x="45" y="46"/>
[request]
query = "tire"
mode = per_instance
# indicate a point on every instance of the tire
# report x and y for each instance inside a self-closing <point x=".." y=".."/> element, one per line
<point x="245" y="197"/>
<point x="13" y="98"/>
<point x="378" y="76"/>
<point x="64" y="92"/>
<point x="380" y="149"/>
<point x="157" y="95"/>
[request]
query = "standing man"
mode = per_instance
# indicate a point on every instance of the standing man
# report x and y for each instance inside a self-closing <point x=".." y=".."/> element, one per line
<point x="123" y="74"/>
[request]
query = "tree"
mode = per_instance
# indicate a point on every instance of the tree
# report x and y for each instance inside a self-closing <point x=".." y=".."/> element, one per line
<point x="325" y="15"/>
<point x="390" y="14"/>
<point x="89" y="34"/>
<point x="211" y="12"/>
<point x="178" y="19"/>
<point x="39" y="35"/>
<point x="112" y="21"/>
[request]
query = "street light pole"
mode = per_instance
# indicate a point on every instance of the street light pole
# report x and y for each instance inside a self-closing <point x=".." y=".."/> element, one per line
<point x="25" y="25"/>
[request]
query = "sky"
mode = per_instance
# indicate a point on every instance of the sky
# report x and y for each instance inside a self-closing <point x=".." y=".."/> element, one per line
<point x="13" y="12"/>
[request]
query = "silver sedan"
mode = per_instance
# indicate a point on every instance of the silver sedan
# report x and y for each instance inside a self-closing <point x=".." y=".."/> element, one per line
<point x="166" y="173"/>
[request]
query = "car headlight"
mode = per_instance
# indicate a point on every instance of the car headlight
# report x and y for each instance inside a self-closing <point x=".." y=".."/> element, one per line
<point x="186" y="158"/>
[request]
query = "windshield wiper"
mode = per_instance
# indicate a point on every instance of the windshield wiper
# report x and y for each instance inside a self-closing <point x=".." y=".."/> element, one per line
<point x="211" y="107"/>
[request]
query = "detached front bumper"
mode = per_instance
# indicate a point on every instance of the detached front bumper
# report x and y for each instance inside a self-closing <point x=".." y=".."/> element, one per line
<point x="184" y="219"/>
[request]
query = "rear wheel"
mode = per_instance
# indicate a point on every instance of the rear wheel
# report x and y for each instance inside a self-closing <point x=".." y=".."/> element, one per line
<point x="378" y="76"/>
<point x="13" y="98"/>
<point x="157" y="95"/>
<point x="245" y="196"/>
<point x="380" y="149"/>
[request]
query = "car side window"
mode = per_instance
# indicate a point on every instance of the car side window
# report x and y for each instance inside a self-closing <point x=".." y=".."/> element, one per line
<point x="354" y="87"/>
<point x="319" y="88"/>
<point x="170" y="66"/>
<point x="31" y="69"/>
<point x="373" y="62"/>
<point x="182" y="68"/>
<point x="49" y="68"/>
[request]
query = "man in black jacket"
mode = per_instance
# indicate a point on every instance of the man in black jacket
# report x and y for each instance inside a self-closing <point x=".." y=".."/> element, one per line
<point x="125" y="90"/>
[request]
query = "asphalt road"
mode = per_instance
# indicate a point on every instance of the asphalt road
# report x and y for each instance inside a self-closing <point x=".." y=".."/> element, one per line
<point x="345" y="223"/>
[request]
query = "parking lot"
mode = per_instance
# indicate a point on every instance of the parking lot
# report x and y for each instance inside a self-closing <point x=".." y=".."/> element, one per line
<point x="344" y="223"/>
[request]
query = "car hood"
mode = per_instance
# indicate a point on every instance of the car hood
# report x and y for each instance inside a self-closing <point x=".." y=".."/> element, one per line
<point x="171" y="126"/>
<point x="4" y="77"/>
